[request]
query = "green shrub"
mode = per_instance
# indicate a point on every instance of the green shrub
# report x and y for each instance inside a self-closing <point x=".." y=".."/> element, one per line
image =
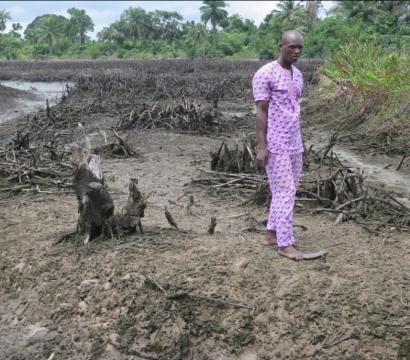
<point x="230" y="43"/>
<point x="379" y="84"/>
<point x="121" y="53"/>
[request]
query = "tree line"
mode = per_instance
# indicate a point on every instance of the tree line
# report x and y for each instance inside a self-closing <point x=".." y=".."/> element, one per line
<point x="163" y="34"/>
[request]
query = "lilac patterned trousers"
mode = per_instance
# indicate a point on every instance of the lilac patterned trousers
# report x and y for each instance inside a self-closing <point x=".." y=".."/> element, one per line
<point x="283" y="174"/>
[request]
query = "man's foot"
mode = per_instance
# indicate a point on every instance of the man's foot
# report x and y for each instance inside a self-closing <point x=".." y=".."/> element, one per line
<point x="290" y="252"/>
<point x="270" y="238"/>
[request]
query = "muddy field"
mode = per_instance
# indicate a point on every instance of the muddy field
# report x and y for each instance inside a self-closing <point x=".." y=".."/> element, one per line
<point x="182" y="293"/>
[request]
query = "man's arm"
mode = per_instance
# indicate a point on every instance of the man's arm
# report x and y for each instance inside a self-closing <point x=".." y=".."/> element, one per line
<point x="261" y="129"/>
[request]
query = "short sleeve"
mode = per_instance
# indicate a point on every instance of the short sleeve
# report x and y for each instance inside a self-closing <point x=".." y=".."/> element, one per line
<point x="261" y="85"/>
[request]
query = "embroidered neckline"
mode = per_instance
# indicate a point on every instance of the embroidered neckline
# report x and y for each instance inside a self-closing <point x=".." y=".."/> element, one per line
<point x="286" y="70"/>
<point x="292" y="86"/>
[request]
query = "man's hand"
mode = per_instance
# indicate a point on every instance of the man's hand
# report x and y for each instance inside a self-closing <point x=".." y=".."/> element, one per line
<point x="304" y="154"/>
<point x="261" y="129"/>
<point x="262" y="158"/>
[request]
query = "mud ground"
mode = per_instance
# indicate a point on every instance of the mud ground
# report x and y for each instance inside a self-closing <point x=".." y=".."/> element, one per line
<point x="12" y="100"/>
<point x="93" y="302"/>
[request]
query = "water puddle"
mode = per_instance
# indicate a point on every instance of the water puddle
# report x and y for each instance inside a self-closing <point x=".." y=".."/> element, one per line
<point x="42" y="91"/>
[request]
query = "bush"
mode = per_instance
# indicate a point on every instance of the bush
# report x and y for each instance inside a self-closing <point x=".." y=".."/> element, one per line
<point x="382" y="83"/>
<point x="191" y="53"/>
<point x="135" y="54"/>
<point x="214" y="52"/>
<point x="121" y="53"/>
<point x="93" y="50"/>
<point x="266" y="47"/>
<point x="246" y="53"/>
<point x="230" y="43"/>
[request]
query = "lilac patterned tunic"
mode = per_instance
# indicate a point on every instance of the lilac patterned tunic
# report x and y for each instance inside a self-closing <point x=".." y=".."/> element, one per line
<point x="274" y="83"/>
<point x="284" y="143"/>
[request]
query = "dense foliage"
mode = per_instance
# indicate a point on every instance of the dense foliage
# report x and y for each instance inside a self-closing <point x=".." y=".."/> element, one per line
<point x="163" y="34"/>
<point x="373" y="89"/>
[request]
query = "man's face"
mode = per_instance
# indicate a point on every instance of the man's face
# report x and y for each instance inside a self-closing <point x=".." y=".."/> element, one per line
<point x="292" y="49"/>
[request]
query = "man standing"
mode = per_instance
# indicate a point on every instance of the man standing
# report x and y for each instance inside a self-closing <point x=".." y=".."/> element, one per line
<point x="277" y="87"/>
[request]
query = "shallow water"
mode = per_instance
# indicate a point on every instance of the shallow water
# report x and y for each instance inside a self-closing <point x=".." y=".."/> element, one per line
<point x="51" y="91"/>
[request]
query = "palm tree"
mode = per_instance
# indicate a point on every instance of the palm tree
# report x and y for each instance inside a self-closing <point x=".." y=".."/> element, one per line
<point x="350" y="9"/>
<point x="212" y="11"/>
<point x="312" y="7"/>
<point x="167" y="24"/>
<point x="49" y="29"/>
<point x="236" y="22"/>
<point x="291" y="11"/>
<point x="81" y="22"/>
<point x="4" y="16"/>
<point x="139" y="23"/>
<point x="400" y="9"/>
<point x="292" y="15"/>
<point x="197" y="34"/>
<point x="117" y="32"/>
<point x="104" y="34"/>
<point x="200" y="36"/>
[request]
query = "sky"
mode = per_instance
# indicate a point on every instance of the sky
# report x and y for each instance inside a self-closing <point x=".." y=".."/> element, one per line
<point x="104" y="13"/>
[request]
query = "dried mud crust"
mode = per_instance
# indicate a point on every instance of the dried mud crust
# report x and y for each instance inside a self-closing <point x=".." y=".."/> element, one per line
<point x="94" y="302"/>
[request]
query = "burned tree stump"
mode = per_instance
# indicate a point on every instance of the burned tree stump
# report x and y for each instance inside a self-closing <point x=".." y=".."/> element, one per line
<point x="95" y="205"/>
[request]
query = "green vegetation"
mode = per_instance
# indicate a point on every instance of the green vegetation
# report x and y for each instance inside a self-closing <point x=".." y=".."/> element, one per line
<point x="163" y="34"/>
<point x="211" y="11"/>
<point x="4" y="16"/>
<point x="373" y="87"/>
<point x="368" y="71"/>
<point x="49" y="29"/>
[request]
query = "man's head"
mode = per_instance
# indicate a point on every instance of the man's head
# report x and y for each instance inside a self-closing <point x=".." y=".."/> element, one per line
<point x="291" y="46"/>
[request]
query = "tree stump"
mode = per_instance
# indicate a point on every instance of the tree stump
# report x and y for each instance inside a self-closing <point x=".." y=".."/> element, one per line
<point x="132" y="212"/>
<point x="95" y="205"/>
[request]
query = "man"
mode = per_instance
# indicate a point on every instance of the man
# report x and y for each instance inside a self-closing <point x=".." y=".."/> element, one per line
<point x="277" y="87"/>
